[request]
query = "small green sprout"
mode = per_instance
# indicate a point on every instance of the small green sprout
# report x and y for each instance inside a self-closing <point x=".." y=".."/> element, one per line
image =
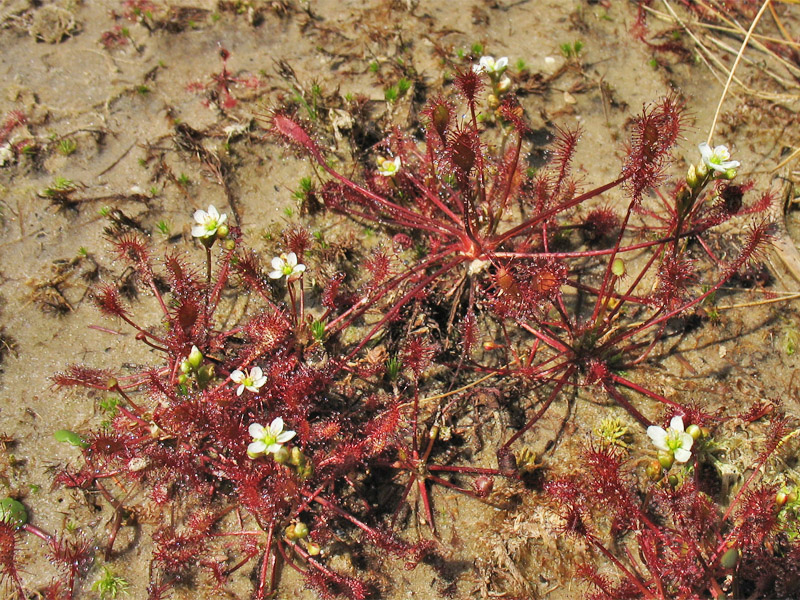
<point x="109" y="406"/>
<point x="521" y="65"/>
<point x="374" y="66"/>
<point x="318" y="330"/>
<point x="60" y="188"/>
<point x="403" y="85"/>
<point x="142" y="90"/>
<point x="571" y="50"/>
<point x="393" y="367"/>
<point x="153" y="191"/>
<point x="477" y="49"/>
<point x="163" y="227"/>
<point x="183" y="179"/>
<point x="110" y="585"/>
<point x="67" y="146"/>
<point x="83" y="251"/>
<point x="391" y="94"/>
<point x="289" y="212"/>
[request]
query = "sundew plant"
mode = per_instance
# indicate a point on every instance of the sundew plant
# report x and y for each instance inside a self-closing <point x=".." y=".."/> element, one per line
<point x="271" y="442"/>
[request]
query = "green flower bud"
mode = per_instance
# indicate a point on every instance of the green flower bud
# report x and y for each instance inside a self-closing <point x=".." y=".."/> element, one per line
<point x="195" y="358"/>
<point x="229" y="245"/>
<point x="185" y="367"/>
<point x="729" y="174"/>
<point x="694" y="431"/>
<point x="183" y="378"/>
<point x="691" y="177"/>
<point x="666" y="459"/>
<point x="781" y="498"/>
<point x="702" y="170"/>
<point x="13" y="512"/>
<point x="673" y="480"/>
<point x="223" y="231"/>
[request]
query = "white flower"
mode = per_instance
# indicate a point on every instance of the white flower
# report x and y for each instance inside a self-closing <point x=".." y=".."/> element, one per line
<point x="207" y="222"/>
<point x="674" y="439"/>
<point x="267" y="439"/>
<point x="489" y="65"/>
<point x="389" y="168"/>
<point x="717" y="158"/>
<point x="248" y="380"/>
<point x="286" y="265"/>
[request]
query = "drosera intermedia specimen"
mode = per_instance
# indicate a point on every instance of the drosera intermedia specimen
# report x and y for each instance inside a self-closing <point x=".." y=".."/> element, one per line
<point x="189" y="432"/>
<point x="495" y="251"/>
<point x="679" y="540"/>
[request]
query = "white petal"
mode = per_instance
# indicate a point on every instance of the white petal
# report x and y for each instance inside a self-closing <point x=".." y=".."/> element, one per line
<point x="705" y="151"/>
<point x="659" y="437"/>
<point x="213" y="213"/>
<point x="397" y="162"/>
<point x="199" y="231"/>
<point x="276" y="426"/>
<point x="501" y="63"/>
<point x="477" y="68"/>
<point x="291" y="259"/>
<point x="299" y="268"/>
<point x="285" y="437"/>
<point x="222" y="218"/>
<point x="676" y="424"/>
<point x="200" y="216"/>
<point x="275" y="274"/>
<point x="257" y="383"/>
<point x="237" y="376"/>
<point x="682" y="455"/>
<point x="686" y="441"/>
<point x="256" y="373"/>
<point x="240" y="390"/>
<point x="273" y="448"/>
<point x="278" y="263"/>
<point x="256" y="431"/>
<point x="257" y="447"/>
<point x="487" y="63"/>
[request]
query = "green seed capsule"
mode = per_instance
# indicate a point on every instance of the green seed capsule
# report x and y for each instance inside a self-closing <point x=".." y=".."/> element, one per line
<point x="730" y="559"/>
<point x="666" y="459"/>
<point x="281" y="456"/>
<point x="300" y="530"/>
<point x="654" y="470"/>
<point x="694" y="431"/>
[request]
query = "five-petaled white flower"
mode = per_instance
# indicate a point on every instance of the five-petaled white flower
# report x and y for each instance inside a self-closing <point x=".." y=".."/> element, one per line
<point x="207" y="222"/>
<point x="286" y="265"/>
<point x="267" y="439"/>
<point x="248" y="380"/>
<point x="717" y="158"/>
<point x="389" y="168"/>
<point x="489" y="65"/>
<point x="674" y="439"/>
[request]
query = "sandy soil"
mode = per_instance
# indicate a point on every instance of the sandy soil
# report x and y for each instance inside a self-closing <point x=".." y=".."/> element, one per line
<point x="114" y="120"/>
